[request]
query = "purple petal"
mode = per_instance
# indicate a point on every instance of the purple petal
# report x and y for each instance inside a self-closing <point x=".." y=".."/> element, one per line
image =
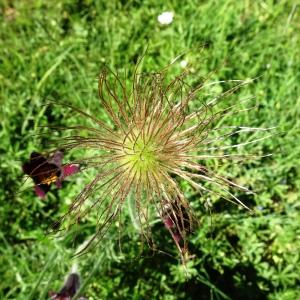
<point x="168" y="222"/>
<point x="58" y="184"/>
<point x="56" y="296"/>
<point x="177" y="237"/>
<point x="39" y="191"/>
<point x="69" y="170"/>
<point x="57" y="158"/>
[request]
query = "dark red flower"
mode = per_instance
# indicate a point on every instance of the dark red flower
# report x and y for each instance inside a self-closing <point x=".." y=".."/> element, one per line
<point x="69" y="289"/>
<point x="45" y="171"/>
<point x="178" y="220"/>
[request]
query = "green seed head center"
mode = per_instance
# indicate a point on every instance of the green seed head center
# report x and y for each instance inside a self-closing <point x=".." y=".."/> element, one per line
<point x="143" y="156"/>
<point x="140" y="155"/>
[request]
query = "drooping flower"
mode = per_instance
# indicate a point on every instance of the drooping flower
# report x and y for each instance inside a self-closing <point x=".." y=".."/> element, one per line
<point x="45" y="171"/>
<point x="69" y="289"/>
<point x="178" y="221"/>
<point x="160" y="133"/>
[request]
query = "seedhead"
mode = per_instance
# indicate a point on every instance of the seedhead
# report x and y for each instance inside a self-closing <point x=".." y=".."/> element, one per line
<point x="160" y="133"/>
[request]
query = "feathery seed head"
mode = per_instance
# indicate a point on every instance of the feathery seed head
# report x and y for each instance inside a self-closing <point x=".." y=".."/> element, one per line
<point x="160" y="133"/>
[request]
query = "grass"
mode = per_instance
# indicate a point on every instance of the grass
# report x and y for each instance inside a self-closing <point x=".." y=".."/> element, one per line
<point x="55" y="50"/>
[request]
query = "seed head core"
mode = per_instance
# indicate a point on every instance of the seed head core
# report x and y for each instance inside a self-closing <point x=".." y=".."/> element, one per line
<point x="140" y="155"/>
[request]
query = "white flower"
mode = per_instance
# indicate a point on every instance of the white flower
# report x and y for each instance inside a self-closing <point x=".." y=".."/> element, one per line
<point x="183" y="63"/>
<point x="165" y="18"/>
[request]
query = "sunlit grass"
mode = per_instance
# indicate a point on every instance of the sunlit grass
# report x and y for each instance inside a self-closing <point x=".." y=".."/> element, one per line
<point x="54" y="51"/>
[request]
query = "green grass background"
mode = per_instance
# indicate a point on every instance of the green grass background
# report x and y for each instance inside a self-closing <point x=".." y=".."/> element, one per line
<point x="54" y="50"/>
